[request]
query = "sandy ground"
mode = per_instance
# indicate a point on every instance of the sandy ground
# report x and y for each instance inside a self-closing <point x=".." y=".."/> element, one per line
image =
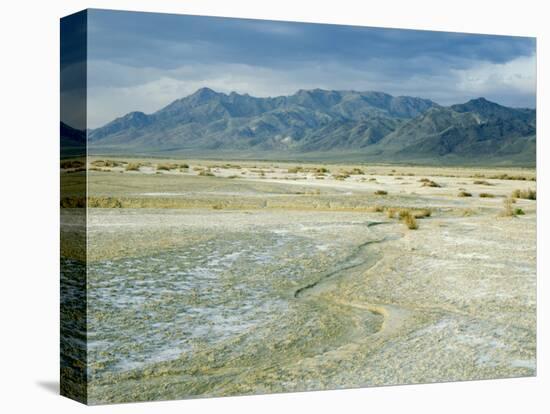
<point x="361" y="299"/>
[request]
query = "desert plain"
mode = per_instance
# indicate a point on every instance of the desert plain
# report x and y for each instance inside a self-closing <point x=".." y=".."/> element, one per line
<point x="213" y="278"/>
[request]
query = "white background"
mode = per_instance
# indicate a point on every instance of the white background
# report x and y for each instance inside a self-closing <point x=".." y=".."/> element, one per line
<point x="29" y="191"/>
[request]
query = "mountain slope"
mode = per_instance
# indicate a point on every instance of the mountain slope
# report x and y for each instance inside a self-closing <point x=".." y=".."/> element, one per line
<point x="208" y="119"/>
<point x="72" y="141"/>
<point x="478" y="129"/>
<point x="379" y="126"/>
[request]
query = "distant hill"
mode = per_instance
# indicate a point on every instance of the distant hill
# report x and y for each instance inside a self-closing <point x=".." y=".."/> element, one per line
<point x="322" y="124"/>
<point x="73" y="141"/>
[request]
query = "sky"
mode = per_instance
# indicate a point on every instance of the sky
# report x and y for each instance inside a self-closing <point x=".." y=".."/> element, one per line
<point x="144" y="61"/>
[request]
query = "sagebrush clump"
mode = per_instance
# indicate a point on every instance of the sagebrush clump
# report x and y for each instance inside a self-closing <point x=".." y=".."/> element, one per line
<point x="429" y="183"/>
<point x="508" y="210"/>
<point x="132" y="166"/>
<point x="408" y="219"/>
<point x="528" y="194"/>
<point x="67" y="164"/>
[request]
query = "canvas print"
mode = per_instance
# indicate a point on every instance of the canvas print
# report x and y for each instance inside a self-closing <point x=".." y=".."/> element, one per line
<point x="253" y="206"/>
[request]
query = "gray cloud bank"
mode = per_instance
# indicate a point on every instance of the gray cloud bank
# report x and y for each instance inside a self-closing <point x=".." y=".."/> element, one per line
<point x="141" y="61"/>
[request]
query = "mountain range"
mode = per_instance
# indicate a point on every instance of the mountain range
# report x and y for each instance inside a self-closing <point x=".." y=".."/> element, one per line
<point x="324" y="124"/>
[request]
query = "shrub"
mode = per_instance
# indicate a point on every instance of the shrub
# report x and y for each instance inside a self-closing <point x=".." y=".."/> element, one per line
<point x="422" y="213"/>
<point x="133" y="166"/>
<point x="464" y="194"/>
<point x="486" y="195"/>
<point x="356" y="171"/>
<point x="315" y="191"/>
<point x="403" y="213"/>
<point x="294" y="170"/>
<point x="410" y="222"/>
<point x="430" y="183"/>
<point x="482" y="182"/>
<point x="408" y="219"/>
<point x="526" y="194"/>
<point x="380" y="192"/>
<point x="66" y="164"/>
<point x="508" y="210"/>
<point x="512" y="177"/>
<point x="104" y="202"/>
<point x="73" y="202"/>
<point x="111" y="163"/>
<point x="107" y="163"/>
<point x="174" y="166"/>
<point x="519" y="212"/>
<point x="206" y="173"/>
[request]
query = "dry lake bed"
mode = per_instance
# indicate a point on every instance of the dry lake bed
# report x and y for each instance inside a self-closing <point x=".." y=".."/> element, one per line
<point x="208" y="278"/>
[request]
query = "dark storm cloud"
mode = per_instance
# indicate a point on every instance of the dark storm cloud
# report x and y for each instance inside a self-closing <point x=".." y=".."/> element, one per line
<point x="138" y="49"/>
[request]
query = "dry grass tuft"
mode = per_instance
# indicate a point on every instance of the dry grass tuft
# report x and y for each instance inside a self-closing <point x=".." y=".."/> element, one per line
<point x="107" y="163"/>
<point x="525" y="194"/>
<point x="341" y="176"/>
<point x="464" y="194"/>
<point x="380" y="192"/>
<point x="104" y="202"/>
<point x="73" y="202"/>
<point x="133" y="166"/>
<point x="67" y="164"/>
<point x="486" y="195"/>
<point x="429" y="183"/>
<point x="507" y="211"/>
<point x="512" y="177"/>
<point x="422" y="213"/>
<point x="408" y="219"/>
